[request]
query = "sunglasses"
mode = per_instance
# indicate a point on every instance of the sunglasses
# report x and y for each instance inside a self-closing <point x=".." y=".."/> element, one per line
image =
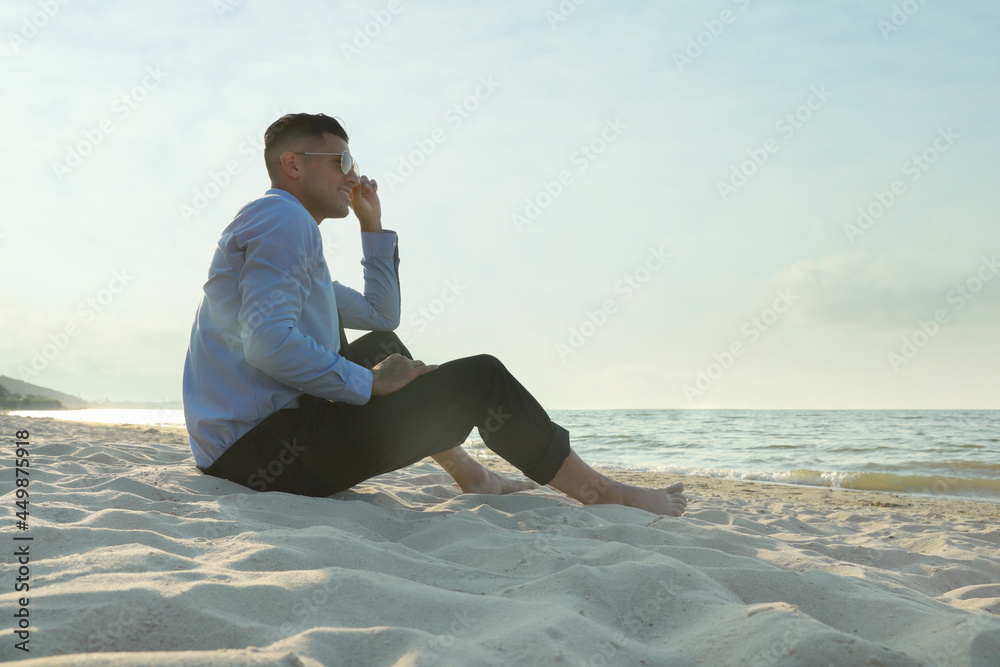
<point x="346" y="161"/>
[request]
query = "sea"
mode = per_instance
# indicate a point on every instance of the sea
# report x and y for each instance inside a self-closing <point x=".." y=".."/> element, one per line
<point x="950" y="453"/>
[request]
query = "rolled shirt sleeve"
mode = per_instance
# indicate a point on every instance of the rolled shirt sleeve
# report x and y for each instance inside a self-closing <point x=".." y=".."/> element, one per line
<point x="378" y="308"/>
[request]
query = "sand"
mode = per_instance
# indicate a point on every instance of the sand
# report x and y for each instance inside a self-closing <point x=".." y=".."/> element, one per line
<point x="139" y="559"/>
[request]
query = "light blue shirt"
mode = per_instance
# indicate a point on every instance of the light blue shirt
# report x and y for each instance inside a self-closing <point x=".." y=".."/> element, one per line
<point x="266" y="330"/>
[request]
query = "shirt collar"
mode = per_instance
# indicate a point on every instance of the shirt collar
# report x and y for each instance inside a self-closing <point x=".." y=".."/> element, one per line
<point x="285" y="194"/>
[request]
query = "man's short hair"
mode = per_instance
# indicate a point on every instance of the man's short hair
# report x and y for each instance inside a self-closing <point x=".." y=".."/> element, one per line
<point x="284" y="133"/>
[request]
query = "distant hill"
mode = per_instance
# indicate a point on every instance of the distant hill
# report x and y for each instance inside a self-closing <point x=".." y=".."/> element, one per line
<point x="26" y="388"/>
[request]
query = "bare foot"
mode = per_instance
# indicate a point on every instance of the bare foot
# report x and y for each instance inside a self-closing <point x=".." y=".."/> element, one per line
<point x="472" y="477"/>
<point x="497" y="484"/>
<point x="578" y="480"/>
<point x="669" y="500"/>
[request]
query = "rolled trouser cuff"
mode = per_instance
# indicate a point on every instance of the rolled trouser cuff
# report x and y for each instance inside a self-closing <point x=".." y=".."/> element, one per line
<point x="553" y="458"/>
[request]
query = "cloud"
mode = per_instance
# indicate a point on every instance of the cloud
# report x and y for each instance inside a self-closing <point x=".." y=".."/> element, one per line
<point x="881" y="292"/>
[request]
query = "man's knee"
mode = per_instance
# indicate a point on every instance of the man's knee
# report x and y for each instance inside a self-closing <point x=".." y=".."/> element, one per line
<point x="490" y="367"/>
<point x="488" y="361"/>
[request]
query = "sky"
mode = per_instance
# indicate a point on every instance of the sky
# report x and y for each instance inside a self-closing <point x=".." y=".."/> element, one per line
<point x="725" y="204"/>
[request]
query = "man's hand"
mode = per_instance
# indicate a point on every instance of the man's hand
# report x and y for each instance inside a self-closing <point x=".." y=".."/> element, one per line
<point x="395" y="372"/>
<point x="366" y="205"/>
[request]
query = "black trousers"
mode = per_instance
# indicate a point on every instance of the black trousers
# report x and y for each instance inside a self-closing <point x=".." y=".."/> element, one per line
<point x="323" y="447"/>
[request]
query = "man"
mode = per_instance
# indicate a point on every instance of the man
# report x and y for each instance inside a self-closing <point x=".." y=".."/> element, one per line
<point x="277" y="400"/>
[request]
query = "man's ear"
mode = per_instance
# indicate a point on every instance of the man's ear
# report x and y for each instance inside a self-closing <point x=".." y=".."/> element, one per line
<point x="289" y="164"/>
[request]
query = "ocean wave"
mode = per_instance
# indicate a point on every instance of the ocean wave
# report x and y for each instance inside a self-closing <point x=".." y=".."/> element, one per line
<point x="963" y="466"/>
<point x="941" y="485"/>
<point x="935" y="484"/>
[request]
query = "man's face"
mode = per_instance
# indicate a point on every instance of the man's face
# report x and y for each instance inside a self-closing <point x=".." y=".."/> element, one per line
<point x="325" y="190"/>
